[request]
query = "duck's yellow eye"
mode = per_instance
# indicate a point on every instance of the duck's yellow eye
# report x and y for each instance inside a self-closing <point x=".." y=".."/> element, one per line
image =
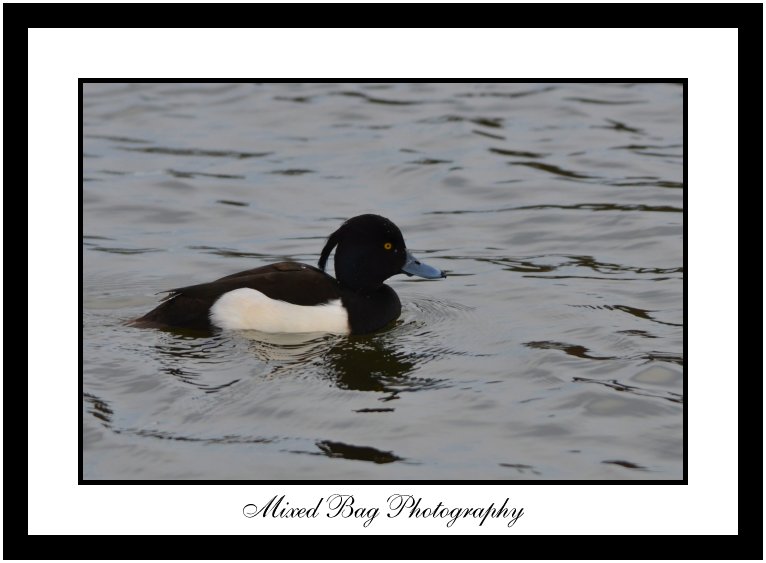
<point x="388" y="246"/>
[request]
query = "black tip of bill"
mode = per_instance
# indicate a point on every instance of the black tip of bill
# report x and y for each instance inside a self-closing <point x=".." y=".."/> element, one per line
<point x="414" y="267"/>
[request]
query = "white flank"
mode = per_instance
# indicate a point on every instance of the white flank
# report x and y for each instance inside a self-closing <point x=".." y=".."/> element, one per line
<point x="249" y="309"/>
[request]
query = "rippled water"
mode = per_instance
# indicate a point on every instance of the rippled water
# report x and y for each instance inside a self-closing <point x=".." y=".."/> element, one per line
<point x="554" y="349"/>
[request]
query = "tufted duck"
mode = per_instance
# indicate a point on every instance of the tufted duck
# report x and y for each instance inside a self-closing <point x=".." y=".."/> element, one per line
<point x="294" y="297"/>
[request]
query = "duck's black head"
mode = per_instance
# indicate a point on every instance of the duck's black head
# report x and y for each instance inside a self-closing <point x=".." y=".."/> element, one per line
<point x="370" y="250"/>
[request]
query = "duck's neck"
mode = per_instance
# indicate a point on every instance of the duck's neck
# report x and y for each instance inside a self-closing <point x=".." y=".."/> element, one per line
<point x="370" y="311"/>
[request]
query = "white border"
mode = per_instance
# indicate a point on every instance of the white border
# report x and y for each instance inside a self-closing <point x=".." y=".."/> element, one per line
<point x="707" y="57"/>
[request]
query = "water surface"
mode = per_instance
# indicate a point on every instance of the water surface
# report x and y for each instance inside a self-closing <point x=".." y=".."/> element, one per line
<point x="554" y="349"/>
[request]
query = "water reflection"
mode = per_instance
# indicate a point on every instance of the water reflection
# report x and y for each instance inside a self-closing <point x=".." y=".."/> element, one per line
<point x="521" y="468"/>
<point x="116" y="138"/>
<point x="194" y="174"/>
<point x="374" y="363"/>
<point x="197" y="152"/>
<point x="619" y="126"/>
<point x="374" y="100"/>
<point x="635" y="311"/>
<point x="187" y="355"/>
<point x="115" y="250"/>
<point x="230" y="439"/>
<point x="288" y="349"/>
<point x="360" y="453"/>
<point x="557" y="170"/>
<point x="633" y="389"/>
<point x="575" y="350"/>
<point x="368" y="364"/>
<point x="604" y="102"/>
<point x="522" y="154"/>
<point x="99" y="408"/>
<point x="362" y="363"/>
<point x="580" y="351"/>
<point x="628" y="464"/>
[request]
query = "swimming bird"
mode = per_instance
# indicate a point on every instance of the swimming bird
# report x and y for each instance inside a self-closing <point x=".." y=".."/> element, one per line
<point x="295" y="297"/>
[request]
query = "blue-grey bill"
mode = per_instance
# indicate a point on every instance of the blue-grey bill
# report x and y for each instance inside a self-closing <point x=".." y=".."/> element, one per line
<point x="414" y="267"/>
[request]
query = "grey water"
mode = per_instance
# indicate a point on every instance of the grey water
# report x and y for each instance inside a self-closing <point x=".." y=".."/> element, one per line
<point x="554" y="349"/>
